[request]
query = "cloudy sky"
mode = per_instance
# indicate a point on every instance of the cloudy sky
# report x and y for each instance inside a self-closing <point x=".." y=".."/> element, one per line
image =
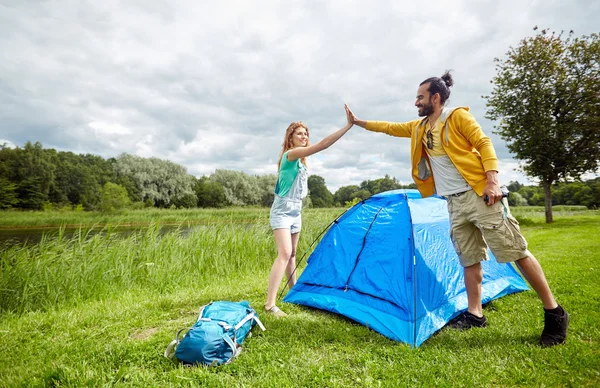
<point x="214" y="84"/>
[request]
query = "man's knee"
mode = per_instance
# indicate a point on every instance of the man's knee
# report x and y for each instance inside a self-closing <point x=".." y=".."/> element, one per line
<point x="474" y="272"/>
<point x="524" y="261"/>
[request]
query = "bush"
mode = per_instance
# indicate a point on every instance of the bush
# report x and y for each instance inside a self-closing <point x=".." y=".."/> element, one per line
<point x="353" y="202"/>
<point x="114" y="197"/>
<point x="186" y="201"/>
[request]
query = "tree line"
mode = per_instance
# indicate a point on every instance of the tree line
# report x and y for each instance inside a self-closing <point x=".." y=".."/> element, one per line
<point x="35" y="178"/>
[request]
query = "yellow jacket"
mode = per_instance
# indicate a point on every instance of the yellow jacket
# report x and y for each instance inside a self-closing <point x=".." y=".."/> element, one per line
<point x="471" y="151"/>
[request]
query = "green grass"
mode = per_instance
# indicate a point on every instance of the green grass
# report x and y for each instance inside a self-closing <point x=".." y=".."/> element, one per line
<point x="99" y="310"/>
<point x="74" y="219"/>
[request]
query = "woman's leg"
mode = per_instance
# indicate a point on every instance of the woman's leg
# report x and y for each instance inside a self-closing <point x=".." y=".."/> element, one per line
<point x="291" y="266"/>
<point x="283" y="239"/>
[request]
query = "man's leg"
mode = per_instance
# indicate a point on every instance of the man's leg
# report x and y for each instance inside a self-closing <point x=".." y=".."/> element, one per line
<point x="533" y="273"/>
<point x="471" y="249"/>
<point x="506" y="243"/>
<point x="556" y="319"/>
<point x="473" y="279"/>
<point x="473" y="317"/>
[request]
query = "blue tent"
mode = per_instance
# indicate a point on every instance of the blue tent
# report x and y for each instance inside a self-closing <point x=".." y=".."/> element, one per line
<point x="389" y="263"/>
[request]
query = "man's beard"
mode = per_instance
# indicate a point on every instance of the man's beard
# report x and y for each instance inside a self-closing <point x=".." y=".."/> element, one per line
<point x="426" y="110"/>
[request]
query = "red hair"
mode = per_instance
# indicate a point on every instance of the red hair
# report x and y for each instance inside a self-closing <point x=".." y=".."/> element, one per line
<point x="288" y="142"/>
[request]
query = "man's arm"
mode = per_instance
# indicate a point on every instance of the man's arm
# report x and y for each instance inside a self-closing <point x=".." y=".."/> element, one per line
<point x="392" y="129"/>
<point x="472" y="131"/>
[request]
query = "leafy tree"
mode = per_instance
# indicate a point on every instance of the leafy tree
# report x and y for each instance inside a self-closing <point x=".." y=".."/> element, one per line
<point x="320" y="196"/>
<point x="240" y="188"/>
<point x="595" y="186"/>
<point x="114" y="197"/>
<point x="384" y="184"/>
<point x="209" y="193"/>
<point x="32" y="170"/>
<point x="515" y="199"/>
<point x="134" y="192"/>
<point x="528" y="192"/>
<point x="361" y="194"/>
<point x="266" y="184"/>
<point x="514" y="186"/>
<point x="537" y="199"/>
<point x="8" y="194"/>
<point x="546" y="99"/>
<point x="29" y="194"/>
<point x="345" y="194"/>
<point x="158" y="180"/>
<point x="187" y="201"/>
<point x="96" y="173"/>
<point x="75" y="182"/>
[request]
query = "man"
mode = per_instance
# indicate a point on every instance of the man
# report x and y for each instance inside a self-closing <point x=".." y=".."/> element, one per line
<point x="452" y="157"/>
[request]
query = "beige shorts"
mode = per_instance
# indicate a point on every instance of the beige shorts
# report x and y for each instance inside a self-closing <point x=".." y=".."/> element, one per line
<point x="474" y="226"/>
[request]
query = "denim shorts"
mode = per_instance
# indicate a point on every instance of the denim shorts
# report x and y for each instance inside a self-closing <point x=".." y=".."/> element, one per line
<point x="286" y="214"/>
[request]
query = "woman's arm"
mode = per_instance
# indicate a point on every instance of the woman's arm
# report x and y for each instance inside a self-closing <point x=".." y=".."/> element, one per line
<point x="302" y="152"/>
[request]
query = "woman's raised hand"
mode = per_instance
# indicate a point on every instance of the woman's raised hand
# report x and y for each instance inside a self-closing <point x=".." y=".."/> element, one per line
<point x="350" y="116"/>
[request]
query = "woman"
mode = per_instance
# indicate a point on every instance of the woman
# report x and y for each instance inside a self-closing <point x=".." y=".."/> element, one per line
<point x="291" y="188"/>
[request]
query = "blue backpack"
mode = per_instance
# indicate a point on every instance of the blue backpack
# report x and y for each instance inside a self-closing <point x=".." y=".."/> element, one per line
<point x="217" y="335"/>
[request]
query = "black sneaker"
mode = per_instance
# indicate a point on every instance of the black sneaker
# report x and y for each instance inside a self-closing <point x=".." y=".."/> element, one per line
<point x="555" y="328"/>
<point x="466" y="320"/>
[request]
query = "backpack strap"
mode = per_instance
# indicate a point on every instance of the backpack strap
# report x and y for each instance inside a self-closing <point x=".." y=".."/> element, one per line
<point x="202" y="310"/>
<point x="248" y="317"/>
<point x="170" y="351"/>
<point x="259" y="323"/>
<point x="235" y="348"/>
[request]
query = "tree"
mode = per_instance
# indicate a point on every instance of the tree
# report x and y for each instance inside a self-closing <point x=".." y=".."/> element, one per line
<point x="345" y="194"/>
<point x="8" y="195"/>
<point x="32" y="170"/>
<point x="114" y="197"/>
<point x="240" y="189"/>
<point x="384" y="184"/>
<point x="187" y="201"/>
<point x="514" y="186"/>
<point x="515" y="199"/>
<point x="320" y="196"/>
<point x="29" y="193"/>
<point x="158" y="180"/>
<point x="546" y="98"/>
<point x="210" y="193"/>
<point x="266" y="184"/>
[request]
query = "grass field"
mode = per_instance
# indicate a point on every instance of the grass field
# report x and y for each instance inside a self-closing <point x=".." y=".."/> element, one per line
<point x="99" y="310"/>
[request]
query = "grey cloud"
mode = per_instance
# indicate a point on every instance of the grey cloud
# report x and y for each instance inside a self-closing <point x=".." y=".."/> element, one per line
<point x="215" y="85"/>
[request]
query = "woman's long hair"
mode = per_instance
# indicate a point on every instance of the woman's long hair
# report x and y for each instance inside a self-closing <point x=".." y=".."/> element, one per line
<point x="288" y="142"/>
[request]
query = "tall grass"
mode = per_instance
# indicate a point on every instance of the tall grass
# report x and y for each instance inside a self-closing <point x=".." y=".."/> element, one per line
<point x="57" y="270"/>
<point x="87" y="265"/>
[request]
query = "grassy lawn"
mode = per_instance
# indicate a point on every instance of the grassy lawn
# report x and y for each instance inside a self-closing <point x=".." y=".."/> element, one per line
<point x="99" y="310"/>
